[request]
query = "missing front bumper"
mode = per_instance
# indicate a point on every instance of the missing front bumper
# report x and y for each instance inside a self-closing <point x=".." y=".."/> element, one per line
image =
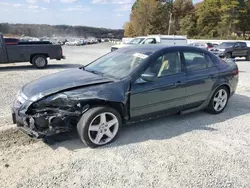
<point x="31" y="133"/>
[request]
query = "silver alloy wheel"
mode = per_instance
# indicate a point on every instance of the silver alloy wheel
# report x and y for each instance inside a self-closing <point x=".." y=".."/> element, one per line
<point x="220" y="100"/>
<point x="40" y="62"/>
<point x="103" y="128"/>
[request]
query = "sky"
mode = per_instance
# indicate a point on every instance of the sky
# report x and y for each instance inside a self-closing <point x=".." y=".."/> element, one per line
<point x="97" y="13"/>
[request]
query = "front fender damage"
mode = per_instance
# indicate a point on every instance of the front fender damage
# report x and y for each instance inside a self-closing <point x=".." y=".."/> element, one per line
<point x="61" y="112"/>
<point x="50" y="121"/>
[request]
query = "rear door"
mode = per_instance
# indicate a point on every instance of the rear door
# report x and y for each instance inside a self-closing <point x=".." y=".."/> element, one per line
<point x="3" y="57"/>
<point x="201" y="75"/>
<point x="244" y="49"/>
<point x="239" y="50"/>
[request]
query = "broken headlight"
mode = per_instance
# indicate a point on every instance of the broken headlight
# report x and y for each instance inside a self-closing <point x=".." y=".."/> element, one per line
<point x="59" y="100"/>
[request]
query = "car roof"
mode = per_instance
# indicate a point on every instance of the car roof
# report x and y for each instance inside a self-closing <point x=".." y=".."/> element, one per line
<point x="156" y="47"/>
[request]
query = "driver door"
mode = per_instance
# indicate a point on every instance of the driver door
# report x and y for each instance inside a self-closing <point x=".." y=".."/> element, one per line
<point x="238" y="50"/>
<point x="165" y="93"/>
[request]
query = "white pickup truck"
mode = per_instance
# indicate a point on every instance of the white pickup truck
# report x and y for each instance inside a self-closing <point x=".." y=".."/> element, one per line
<point x="169" y="40"/>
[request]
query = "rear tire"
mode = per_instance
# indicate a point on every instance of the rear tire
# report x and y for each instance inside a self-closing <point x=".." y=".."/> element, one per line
<point x="40" y="61"/>
<point x="228" y="55"/>
<point x="248" y="57"/>
<point x="99" y="126"/>
<point x="218" y="101"/>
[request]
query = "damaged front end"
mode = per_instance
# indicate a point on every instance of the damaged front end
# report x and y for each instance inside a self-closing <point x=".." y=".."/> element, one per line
<point x="48" y="116"/>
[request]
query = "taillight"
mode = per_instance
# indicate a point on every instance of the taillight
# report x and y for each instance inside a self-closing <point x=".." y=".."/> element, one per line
<point x="235" y="72"/>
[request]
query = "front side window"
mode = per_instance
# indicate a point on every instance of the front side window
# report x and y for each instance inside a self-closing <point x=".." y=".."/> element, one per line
<point x="166" y="65"/>
<point x="197" y="61"/>
<point x="116" y="64"/>
<point x="226" y="45"/>
<point x="136" y="41"/>
<point x="150" y="41"/>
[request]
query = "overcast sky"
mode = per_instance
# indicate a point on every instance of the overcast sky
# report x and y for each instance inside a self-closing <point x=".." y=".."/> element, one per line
<point x="98" y="13"/>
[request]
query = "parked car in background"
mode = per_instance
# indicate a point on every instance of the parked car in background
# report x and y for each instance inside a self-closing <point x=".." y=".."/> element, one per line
<point x="154" y="39"/>
<point x="202" y="45"/>
<point x="127" y="85"/>
<point x="35" y="52"/>
<point x="74" y="43"/>
<point x="215" y="45"/>
<point x="232" y="50"/>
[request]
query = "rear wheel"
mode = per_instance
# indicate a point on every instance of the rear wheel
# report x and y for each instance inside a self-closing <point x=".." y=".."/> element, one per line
<point x="99" y="126"/>
<point x="39" y="61"/>
<point x="228" y="55"/>
<point x="218" y="101"/>
<point x="248" y="57"/>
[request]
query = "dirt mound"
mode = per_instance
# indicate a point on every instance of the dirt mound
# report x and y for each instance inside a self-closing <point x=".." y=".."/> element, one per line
<point x="14" y="137"/>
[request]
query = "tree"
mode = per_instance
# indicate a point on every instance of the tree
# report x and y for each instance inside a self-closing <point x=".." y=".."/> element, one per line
<point x="188" y="25"/>
<point x="181" y="8"/>
<point x="230" y="15"/>
<point x="160" y="21"/>
<point x="142" y="16"/>
<point x="244" y="13"/>
<point x="128" y="30"/>
<point x="209" y="18"/>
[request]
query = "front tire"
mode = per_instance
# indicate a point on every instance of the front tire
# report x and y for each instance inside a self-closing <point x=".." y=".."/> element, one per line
<point x="228" y="55"/>
<point x="39" y="61"/>
<point x="99" y="126"/>
<point x="218" y="101"/>
<point x="248" y="57"/>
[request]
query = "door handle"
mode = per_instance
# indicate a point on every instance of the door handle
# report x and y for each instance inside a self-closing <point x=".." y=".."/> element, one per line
<point x="178" y="83"/>
<point x="211" y="76"/>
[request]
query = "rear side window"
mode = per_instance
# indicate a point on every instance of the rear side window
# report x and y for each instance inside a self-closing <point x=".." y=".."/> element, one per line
<point x="197" y="61"/>
<point x="11" y="41"/>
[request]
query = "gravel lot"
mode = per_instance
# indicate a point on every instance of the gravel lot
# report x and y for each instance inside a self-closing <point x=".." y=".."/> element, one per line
<point x="194" y="150"/>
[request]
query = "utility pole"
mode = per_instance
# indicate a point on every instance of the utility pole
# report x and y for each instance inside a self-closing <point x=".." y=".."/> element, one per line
<point x="169" y="24"/>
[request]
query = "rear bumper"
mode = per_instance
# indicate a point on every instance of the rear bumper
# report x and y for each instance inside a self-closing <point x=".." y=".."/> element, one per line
<point x="63" y="57"/>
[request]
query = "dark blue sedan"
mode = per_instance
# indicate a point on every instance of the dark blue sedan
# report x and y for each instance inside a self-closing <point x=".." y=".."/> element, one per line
<point x="126" y="85"/>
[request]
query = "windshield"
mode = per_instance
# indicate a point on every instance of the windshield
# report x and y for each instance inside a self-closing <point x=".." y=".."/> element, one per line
<point x="136" y="41"/>
<point x="116" y="64"/>
<point x="226" y="45"/>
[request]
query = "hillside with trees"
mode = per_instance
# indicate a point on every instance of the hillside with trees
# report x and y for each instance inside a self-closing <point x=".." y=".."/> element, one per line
<point x="35" y="30"/>
<point x="226" y="19"/>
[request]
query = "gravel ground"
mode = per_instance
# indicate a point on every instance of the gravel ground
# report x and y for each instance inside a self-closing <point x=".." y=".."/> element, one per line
<point x="194" y="150"/>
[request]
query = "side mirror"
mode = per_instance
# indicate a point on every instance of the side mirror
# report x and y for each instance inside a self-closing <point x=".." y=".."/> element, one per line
<point x="236" y="46"/>
<point x="149" y="77"/>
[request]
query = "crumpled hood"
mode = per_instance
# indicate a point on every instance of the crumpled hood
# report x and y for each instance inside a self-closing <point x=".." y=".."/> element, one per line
<point x="61" y="81"/>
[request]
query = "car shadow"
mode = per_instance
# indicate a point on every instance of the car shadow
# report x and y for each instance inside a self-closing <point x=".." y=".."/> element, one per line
<point x="240" y="60"/>
<point x="30" y="67"/>
<point x="163" y="128"/>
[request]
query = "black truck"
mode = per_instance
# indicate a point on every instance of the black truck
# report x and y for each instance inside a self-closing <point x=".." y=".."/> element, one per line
<point x="232" y="50"/>
<point x="36" y="53"/>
